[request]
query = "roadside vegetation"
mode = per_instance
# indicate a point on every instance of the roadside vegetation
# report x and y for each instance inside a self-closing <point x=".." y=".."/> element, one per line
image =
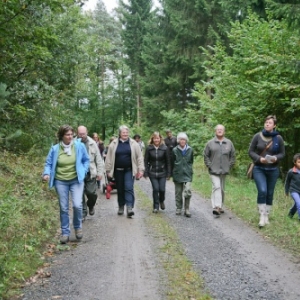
<point x="28" y="220"/>
<point x="182" y="281"/>
<point x="241" y="199"/>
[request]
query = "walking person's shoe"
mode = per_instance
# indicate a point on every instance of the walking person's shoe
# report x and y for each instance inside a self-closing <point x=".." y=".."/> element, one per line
<point x="290" y="214"/>
<point x="78" y="233"/>
<point x="64" y="239"/>
<point x="262" y="211"/>
<point x="92" y="210"/>
<point x="162" y="205"/>
<point x="178" y="211"/>
<point x="121" y="210"/>
<point x="267" y="212"/>
<point x="221" y="210"/>
<point x="155" y="211"/>
<point x="216" y="211"/>
<point x="187" y="208"/>
<point x="130" y="212"/>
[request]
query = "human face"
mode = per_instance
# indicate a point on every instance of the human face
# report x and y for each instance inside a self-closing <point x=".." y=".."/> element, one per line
<point x="182" y="143"/>
<point x="124" y="134"/>
<point x="68" y="137"/>
<point x="220" y="131"/>
<point x="169" y="134"/>
<point x="96" y="138"/>
<point x="156" y="140"/>
<point x="297" y="164"/>
<point x="82" y="133"/>
<point x="269" y="125"/>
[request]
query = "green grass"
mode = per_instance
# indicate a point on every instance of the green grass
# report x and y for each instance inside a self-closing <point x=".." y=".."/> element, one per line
<point x="182" y="281"/>
<point x="241" y="197"/>
<point x="28" y="219"/>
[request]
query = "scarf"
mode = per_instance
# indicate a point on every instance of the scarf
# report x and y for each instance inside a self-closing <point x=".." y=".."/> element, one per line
<point x="274" y="134"/>
<point x="183" y="150"/>
<point x="67" y="148"/>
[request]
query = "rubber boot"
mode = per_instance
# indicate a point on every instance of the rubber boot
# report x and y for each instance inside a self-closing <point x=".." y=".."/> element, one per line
<point x="268" y="209"/>
<point x="187" y="207"/>
<point x="261" y="210"/>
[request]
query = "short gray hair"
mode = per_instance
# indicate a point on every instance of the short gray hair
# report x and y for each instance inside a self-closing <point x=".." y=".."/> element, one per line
<point x="122" y="127"/>
<point x="182" y="136"/>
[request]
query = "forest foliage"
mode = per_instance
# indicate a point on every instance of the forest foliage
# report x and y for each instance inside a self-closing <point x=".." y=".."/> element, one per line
<point x="185" y="65"/>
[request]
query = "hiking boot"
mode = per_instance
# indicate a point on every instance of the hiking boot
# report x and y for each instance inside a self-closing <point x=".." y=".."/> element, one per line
<point x="155" y="211"/>
<point x="221" y="210"/>
<point x="178" y="211"/>
<point x="121" y="210"/>
<point x="162" y="205"/>
<point x="290" y="214"/>
<point x="64" y="239"/>
<point x="130" y="212"/>
<point x="92" y="210"/>
<point x="79" y="234"/>
<point x="216" y="211"/>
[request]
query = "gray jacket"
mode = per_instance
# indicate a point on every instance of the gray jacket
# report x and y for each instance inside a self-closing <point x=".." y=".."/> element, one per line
<point x="96" y="161"/>
<point x="219" y="157"/>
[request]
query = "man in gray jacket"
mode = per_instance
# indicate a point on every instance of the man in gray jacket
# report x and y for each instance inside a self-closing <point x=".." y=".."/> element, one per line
<point x="94" y="174"/>
<point x="219" y="157"/>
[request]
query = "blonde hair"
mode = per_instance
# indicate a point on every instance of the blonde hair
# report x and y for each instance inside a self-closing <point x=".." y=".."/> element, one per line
<point x="156" y="134"/>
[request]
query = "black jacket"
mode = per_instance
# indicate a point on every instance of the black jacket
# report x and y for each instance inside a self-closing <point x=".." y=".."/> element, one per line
<point x="157" y="162"/>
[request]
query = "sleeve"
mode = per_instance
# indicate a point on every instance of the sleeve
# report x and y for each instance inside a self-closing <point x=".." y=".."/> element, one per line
<point x="232" y="156"/>
<point x="139" y="158"/>
<point x="168" y="162"/>
<point x="99" y="163"/>
<point x="49" y="162"/>
<point x="85" y="158"/>
<point x="281" y="153"/>
<point x="206" y="155"/>
<point x="146" y="158"/>
<point x="288" y="182"/>
<point x="254" y="156"/>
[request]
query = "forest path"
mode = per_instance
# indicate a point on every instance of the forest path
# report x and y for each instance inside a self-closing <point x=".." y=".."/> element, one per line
<point x="117" y="258"/>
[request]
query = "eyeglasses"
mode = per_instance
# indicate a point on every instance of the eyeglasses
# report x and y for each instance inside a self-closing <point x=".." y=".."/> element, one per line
<point x="81" y="134"/>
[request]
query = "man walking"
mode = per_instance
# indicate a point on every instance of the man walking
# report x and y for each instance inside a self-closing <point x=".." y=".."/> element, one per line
<point x="94" y="174"/>
<point x="219" y="157"/>
<point x="170" y="141"/>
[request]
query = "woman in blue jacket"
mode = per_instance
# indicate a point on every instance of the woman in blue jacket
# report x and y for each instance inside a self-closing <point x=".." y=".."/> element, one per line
<point x="66" y="166"/>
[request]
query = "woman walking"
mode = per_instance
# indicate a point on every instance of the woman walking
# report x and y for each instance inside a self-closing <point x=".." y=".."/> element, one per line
<point x="157" y="168"/>
<point x="66" y="166"/>
<point x="266" y="150"/>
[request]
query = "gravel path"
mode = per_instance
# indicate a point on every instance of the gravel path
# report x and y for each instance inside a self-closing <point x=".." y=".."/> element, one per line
<point x="117" y="258"/>
<point x="234" y="260"/>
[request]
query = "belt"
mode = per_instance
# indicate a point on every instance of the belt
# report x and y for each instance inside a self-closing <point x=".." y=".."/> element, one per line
<point x="123" y="169"/>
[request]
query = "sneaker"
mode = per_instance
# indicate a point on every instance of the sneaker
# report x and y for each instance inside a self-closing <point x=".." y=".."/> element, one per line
<point x="290" y="214"/>
<point x="130" y="212"/>
<point x="216" y="211"/>
<point x="221" y="210"/>
<point x="155" y="211"/>
<point x="121" y="210"/>
<point x="178" y="211"/>
<point x="162" y="205"/>
<point x="79" y="234"/>
<point x="64" y="239"/>
<point x="92" y="211"/>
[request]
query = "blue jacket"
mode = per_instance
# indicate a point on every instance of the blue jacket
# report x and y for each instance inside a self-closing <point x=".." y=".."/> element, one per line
<point x="82" y="162"/>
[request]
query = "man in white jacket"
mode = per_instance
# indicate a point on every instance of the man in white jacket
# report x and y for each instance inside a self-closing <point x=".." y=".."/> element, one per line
<point x="94" y="174"/>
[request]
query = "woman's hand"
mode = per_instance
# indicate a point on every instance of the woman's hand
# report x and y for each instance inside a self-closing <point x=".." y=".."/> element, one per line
<point x="263" y="160"/>
<point x="45" y="178"/>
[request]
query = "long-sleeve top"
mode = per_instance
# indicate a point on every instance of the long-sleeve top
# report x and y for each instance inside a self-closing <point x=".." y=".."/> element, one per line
<point x="292" y="181"/>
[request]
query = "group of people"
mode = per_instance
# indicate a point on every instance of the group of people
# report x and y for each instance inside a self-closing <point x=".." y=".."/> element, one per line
<point x="75" y="165"/>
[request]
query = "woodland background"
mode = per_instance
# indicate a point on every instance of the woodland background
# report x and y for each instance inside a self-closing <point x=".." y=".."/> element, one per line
<point x="187" y="65"/>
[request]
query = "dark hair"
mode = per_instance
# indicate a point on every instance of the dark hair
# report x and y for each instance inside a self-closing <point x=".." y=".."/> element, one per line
<point x="271" y="117"/>
<point x="296" y="157"/>
<point x="63" y="130"/>
<point x="136" y="136"/>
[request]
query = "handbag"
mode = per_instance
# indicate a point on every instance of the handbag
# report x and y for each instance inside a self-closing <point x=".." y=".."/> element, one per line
<point x="250" y="167"/>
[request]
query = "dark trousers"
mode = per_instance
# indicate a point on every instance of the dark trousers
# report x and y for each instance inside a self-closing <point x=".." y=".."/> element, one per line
<point x="265" y="181"/>
<point x="159" y="187"/>
<point x="124" y="185"/>
<point x="90" y="191"/>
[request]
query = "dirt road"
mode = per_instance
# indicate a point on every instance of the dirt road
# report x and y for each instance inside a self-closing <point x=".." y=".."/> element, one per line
<point x="117" y="257"/>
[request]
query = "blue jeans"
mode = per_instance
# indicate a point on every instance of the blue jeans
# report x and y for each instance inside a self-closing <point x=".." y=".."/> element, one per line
<point x="63" y="187"/>
<point x="124" y="185"/>
<point x="159" y="187"/>
<point x="265" y="181"/>
<point x="296" y="206"/>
